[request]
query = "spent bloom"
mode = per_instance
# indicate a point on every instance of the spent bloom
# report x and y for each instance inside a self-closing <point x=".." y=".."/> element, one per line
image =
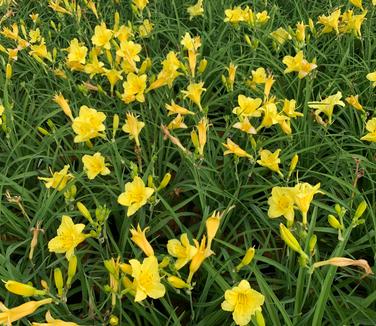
<point x="135" y="195"/>
<point x="69" y="236"/>
<point x="243" y="302"/>
<point x="58" y="180"/>
<point x="371" y="128"/>
<point x="133" y="127"/>
<point x="88" y="124"/>
<point x="182" y="250"/>
<point x="94" y="165"/>
<point x="147" y="281"/>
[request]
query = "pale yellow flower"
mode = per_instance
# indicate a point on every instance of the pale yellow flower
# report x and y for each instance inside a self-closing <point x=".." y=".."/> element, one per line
<point x="196" y="10"/>
<point x="94" y="165"/>
<point x="270" y="160"/>
<point x="281" y="203"/>
<point x="182" y="250"/>
<point x="133" y="127"/>
<point x="235" y="149"/>
<point x="59" y="179"/>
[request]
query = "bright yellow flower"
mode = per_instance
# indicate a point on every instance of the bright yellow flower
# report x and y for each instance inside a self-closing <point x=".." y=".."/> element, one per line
<point x="76" y="52"/>
<point x="177" y="282"/>
<point x="245" y="126"/>
<point x="9" y="316"/>
<point x="248" y="107"/>
<point x="235" y="149"/>
<point x="123" y="33"/>
<point x="59" y="179"/>
<point x="357" y="3"/>
<point x="147" y="281"/>
<point x="25" y="290"/>
<point x="289" y="107"/>
<point x="271" y="116"/>
<point x="34" y="35"/>
<point x="94" y="66"/>
<point x="168" y="73"/>
<point x="135" y="195"/>
<point x="55" y="6"/>
<point x="298" y="64"/>
<point x="280" y="36"/>
<point x="69" y="236"/>
<point x="10" y="33"/>
<point x="327" y="105"/>
<point x="235" y="15"/>
<point x="102" y="36"/>
<point x="201" y="254"/>
<point x="196" y="10"/>
<point x="133" y="127"/>
<point x="40" y="51"/>
<point x="354" y="102"/>
<point x="300" y="32"/>
<point x="199" y="138"/>
<point x="182" y="250"/>
<point x="134" y="88"/>
<point x="262" y="17"/>
<point x="193" y="92"/>
<point x="139" y="238"/>
<point x="330" y="22"/>
<point x="113" y="76"/>
<point x="281" y="203"/>
<point x="63" y="103"/>
<point x="88" y="124"/>
<point x="177" y="123"/>
<point x="258" y="77"/>
<point x="212" y="225"/>
<point x="2" y="110"/>
<point x="129" y="52"/>
<point x="140" y="4"/>
<point x="372" y="77"/>
<point x="352" y="23"/>
<point x="270" y="160"/>
<point x="303" y="195"/>
<point x="94" y="165"/>
<point x="54" y="322"/>
<point x="243" y="301"/>
<point x="173" y="108"/>
<point x="146" y="28"/>
<point x="371" y="127"/>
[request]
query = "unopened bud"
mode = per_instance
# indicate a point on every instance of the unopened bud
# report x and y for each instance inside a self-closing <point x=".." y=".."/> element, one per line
<point x="334" y="223"/>
<point x="8" y="71"/>
<point x="360" y="210"/>
<point x="59" y="282"/>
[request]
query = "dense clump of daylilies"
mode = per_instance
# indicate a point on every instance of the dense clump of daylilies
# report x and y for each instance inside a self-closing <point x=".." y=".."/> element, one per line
<point x="116" y="63"/>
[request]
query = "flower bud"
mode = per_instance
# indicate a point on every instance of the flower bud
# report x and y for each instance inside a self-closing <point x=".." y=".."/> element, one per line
<point x="126" y="268"/>
<point x="360" y="210"/>
<point x="25" y="290"/>
<point x="260" y="318"/>
<point x="72" y="268"/>
<point x="85" y="212"/>
<point x="166" y="179"/>
<point x="289" y="239"/>
<point x="294" y="162"/>
<point x="248" y="257"/>
<point x="114" y="321"/>
<point x="202" y="66"/>
<point x="115" y="125"/>
<point x="312" y="243"/>
<point x="8" y="71"/>
<point x="177" y="282"/>
<point x="165" y="262"/>
<point x="334" y="223"/>
<point x="59" y="282"/>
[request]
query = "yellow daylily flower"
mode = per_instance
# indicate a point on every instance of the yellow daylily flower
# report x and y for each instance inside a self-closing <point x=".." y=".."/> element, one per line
<point x="88" y="124"/>
<point x="193" y="92"/>
<point x="177" y="123"/>
<point x="94" y="165"/>
<point x="235" y="149"/>
<point x="354" y="102"/>
<point x="289" y="107"/>
<point x="243" y="302"/>
<point x="135" y="195"/>
<point x="196" y="10"/>
<point x="327" y="105"/>
<point x="69" y="236"/>
<point x="212" y="225"/>
<point x="352" y="23"/>
<point x="133" y="127"/>
<point x="248" y="107"/>
<point x="139" y="238"/>
<point x="182" y="250"/>
<point x="129" y="52"/>
<point x="330" y="22"/>
<point x="245" y="126"/>
<point x="102" y="36"/>
<point x="303" y="195"/>
<point x="280" y="36"/>
<point x="140" y="4"/>
<point x="298" y="64"/>
<point x="372" y="77"/>
<point x="199" y="138"/>
<point x="198" y="258"/>
<point x="270" y="160"/>
<point x="134" y="88"/>
<point x="147" y="281"/>
<point x="25" y="290"/>
<point x="63" y="103"/>
<point x="59" y="179"/>
<point x="281" y="203"/>
<point x="76" y="53"/>
<point x="371" y="128"/>
<point x="173" y="108"/>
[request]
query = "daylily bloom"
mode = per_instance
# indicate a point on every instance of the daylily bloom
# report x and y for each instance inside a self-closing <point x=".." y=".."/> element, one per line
<point x="177" y="123"/>
<point x="54" y="322"/>
<point x="25" y="290"/>
<point x="168" y="73"/>
<point x="289" y="107"/>
<point x="248" y="107"/>
<point x="76" y="54"/>
<point x="371" y="128"/>
<point x="298" y="64"/>
<point x="303" y="195"/>
<point x="212" y="225"/>
<point x="327" y="105"/>
<point x="63" y="103"/>
<point x="147" y="281"/>
<point x="372" y="77"/>
<point x="243" y="301"/>
<point x="352" y="23"/>
<point x="102" y="36"/>
<point x="280" y="36"/>
<point x="330" y="22"/>
<point x="59" y="179"/>
<point x="198" y="258"/>
<point x="193" y="92"/>
<point x="196" y="10"/>
<point x="140" y="4"/>
<point x="129" y="52"/>
<point x="270" y="160"/>
<point x="69" y="236"/>
<point x="245" y="126"/>
<point x="173" y="108"/>
<point x="133" y="127"/>
<point x="182" y="250"/>
<point x="281" y="203"/>
<point x="135" y="195"/>
<point x="134" y="88"/>
<point x="10" y="315"/>
<point x="235" y="149"/>
<point x="88" y="124"/>
<point x="94" y="165"/>
<point x="139" y="238"/>
<point x="271" y="116"/>
<point x="354" y="102"/>
<point x="199" y="138"/>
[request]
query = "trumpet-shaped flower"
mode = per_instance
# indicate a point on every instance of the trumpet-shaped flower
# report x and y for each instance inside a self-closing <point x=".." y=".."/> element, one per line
<point x="58" y="180"/>
<point x="298" y="64"/>
<point x="248" y="107"/>
<point x="330" y="22"/>
<point x="372" y="77"/>
<point x="54" y="322"/>
<point x="76" y="53"/>
<point x="289" y="107"/>
<point x="134" y="88"/>
<point x="243" y="301"/>
<point x="281" y="203"/>
<point x="245" y="126"/>
<point x="88" y="125"/>
<point x="303" y="195"/>
<point x="9" y="316"/>
<point x="199" y="138"/>
<point x="182" y="250"/>
<point x="173" y="108"/>
<point x="270" y="160"/>
<point x="147" y="281"/>
<point x="94" y="165"/>
<point x="133" y="127"/>
<point x="371" y="128"/>
<point x="352" y="23"/>
<point x="129" y="52"/>
<point x="327" y="105"/>
<point x="102" y="36"/>
<point x="354" y="102"/>
<point x="193" y="92"/>
<point x="139" y="238"/>
<point x="69" y="236"/>
<point x="177" y="123"/>
<point x="135" y="195"/>
<point x="198" y="258"/>
<point x="235" y="149"/>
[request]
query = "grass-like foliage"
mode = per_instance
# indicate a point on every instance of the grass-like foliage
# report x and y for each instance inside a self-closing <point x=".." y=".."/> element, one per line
<point x="187" y="163"/>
